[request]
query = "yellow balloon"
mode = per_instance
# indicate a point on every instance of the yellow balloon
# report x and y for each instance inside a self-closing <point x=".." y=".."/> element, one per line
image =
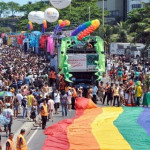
<point x="68" y="22"/>
<point x="60" y="21"/>
<point x="96" y="23"/>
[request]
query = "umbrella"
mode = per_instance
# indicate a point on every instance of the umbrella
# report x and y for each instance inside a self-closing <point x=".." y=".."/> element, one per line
<point x="2" y="93"/>
<point x="9" y="94"/>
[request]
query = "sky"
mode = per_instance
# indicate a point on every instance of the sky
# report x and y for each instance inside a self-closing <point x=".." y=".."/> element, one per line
<point x="21" y="2"/>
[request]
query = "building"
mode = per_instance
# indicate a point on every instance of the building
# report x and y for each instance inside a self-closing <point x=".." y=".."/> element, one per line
<point x="133" y="4"/>
<point x="115" y="8"/>
<point x="119" y="8"/>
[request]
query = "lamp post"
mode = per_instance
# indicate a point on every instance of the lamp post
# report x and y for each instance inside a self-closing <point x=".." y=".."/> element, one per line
<point x="89" y="13"/>
<point x="103" y="13"/>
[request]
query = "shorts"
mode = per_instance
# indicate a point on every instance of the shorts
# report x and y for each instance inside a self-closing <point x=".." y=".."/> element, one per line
<point x="56" y="105"/>
<point x="69" y="101"/>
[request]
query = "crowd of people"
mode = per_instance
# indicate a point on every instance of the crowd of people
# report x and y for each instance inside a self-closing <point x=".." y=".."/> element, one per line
<point x="39" y="91"/>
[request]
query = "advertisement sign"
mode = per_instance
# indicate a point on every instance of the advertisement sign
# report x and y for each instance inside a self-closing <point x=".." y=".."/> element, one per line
<point x="82" y="62"/>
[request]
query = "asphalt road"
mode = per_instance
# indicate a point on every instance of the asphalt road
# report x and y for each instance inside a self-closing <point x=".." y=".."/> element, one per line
<point x="35" y="139"/>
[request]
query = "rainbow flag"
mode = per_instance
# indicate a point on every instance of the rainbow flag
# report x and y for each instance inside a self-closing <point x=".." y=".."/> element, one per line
<point x="95" y="128"/>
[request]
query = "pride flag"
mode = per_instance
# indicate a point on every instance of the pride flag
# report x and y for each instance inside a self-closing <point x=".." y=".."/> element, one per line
<point x="95" y="128"/>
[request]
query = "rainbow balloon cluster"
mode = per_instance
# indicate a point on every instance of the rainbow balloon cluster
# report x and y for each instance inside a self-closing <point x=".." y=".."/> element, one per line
<point x="44" y="26"/>
<point x="30" y="25"/>
<point x="61" y="24"/>
<point x="85" y="29"/>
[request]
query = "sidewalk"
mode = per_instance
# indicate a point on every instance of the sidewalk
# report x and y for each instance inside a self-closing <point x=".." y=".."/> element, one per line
<point x="17" y="125"/>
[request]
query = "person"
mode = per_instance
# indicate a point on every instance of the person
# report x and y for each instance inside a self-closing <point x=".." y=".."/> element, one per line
<point x="74" y="95"/>
<point x="44" y="113"/>
<point x="8" y="113"/>
<point x="116" y="94"/>
<point x="80" y="92"/>
<point x="121" y="94"/>
<point x="30" y="99"/>
<point x="52" y="77"/>
<point x="56" y="101"/>
<point x="120" y="73"/>
<point x="110" y="94"/>
<point x="139" y="92"/>
<point x="101" y="91"/>
<point x="16" y="105"/>
<point x="21" y="142"/>
<point x="25" y="106"/>
<point x="10" y="143"/>
<point x="106" y="93"/>
<point x="64" y="103"/>
<point x="50" y="108"/>
<point x="124" y="77"/>
<point x="69" y="96"/>
<point x="45" y="89"/>
<point x="94" y="93"/>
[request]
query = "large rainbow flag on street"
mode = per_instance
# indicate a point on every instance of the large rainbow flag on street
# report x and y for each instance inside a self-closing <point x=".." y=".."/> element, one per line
<point x="95" y="128"/>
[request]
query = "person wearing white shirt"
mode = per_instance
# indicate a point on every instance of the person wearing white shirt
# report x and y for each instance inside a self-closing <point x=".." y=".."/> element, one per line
<point x="8" y="114"/>
<point x="95" y="89"/>
<point x="69" y="96"/>
<point x="56" y="101"/>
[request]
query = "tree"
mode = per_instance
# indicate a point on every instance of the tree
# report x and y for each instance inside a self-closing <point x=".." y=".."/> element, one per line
<point x="13" y="7"/>
<point x="78" y="11"/>
<point x="22" y="23"/>
<point x="3" y="8"/>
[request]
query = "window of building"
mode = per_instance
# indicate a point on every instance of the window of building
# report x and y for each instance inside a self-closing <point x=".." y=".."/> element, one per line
<point x="136" y="6"/>
<point x="114" y="13"/>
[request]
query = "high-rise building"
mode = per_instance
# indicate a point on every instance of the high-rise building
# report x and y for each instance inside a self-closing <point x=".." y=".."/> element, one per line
<point x="115" y="8"/>
<point x="133" y="4"/>
<point x="119" y="8"/>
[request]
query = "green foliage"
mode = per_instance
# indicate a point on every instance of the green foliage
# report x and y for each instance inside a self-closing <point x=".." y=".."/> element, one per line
<point x="13" y="7"/>
<point x="3" y="7"/>
<point x="5" y="29"/>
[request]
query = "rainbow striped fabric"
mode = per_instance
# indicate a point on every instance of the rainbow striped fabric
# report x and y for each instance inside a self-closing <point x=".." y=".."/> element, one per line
<point x="95" y="128"/>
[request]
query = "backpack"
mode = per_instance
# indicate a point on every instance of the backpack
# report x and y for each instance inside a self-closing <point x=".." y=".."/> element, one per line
<point x="23" y="103"/>
<point x="109" y="91"/>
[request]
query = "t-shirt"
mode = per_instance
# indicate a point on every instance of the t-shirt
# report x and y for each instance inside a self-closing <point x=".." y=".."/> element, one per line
<point x="8" y="113"/>
<point x="19" y="97"/>
<point x="69" y="95"/>
<point x="95" y="89"/>
<point x="56" y="98"/>
<point x="120" y="73"/>
<point x="30" y="97"/>
<point x="137" y="74"/>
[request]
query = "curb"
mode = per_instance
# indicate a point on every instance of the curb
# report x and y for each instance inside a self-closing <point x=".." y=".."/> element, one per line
<point x="27" y="126"/>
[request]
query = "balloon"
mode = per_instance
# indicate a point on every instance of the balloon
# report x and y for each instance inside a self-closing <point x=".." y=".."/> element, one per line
<point x="89" y="30"/>
<point x="81" y="28"/>
<point x="60" y="21"/>
<point x="51" y="14"/>
<point x="60" y="4"/>
<point x="36" y="17"/>
<point x="68" y="22"/>
<point x="86" y="32"/>
<point x="31" y="16"/>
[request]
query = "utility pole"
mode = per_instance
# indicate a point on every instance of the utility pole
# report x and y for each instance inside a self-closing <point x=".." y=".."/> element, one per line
<point x="89" y="13"/>
<point x="103" y="13"/>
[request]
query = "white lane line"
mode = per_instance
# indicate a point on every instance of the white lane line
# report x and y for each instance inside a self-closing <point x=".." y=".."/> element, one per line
<point x="32" y="135"/>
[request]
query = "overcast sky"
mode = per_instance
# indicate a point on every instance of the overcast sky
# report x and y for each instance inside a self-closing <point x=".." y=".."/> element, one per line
<point x="21" y="2"/>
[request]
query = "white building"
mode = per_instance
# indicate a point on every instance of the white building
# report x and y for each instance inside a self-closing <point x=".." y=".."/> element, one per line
<point x="133" y="4"/>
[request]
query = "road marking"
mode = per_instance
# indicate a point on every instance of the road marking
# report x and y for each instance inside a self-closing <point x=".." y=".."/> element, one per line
<point x="32" y="135"/>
